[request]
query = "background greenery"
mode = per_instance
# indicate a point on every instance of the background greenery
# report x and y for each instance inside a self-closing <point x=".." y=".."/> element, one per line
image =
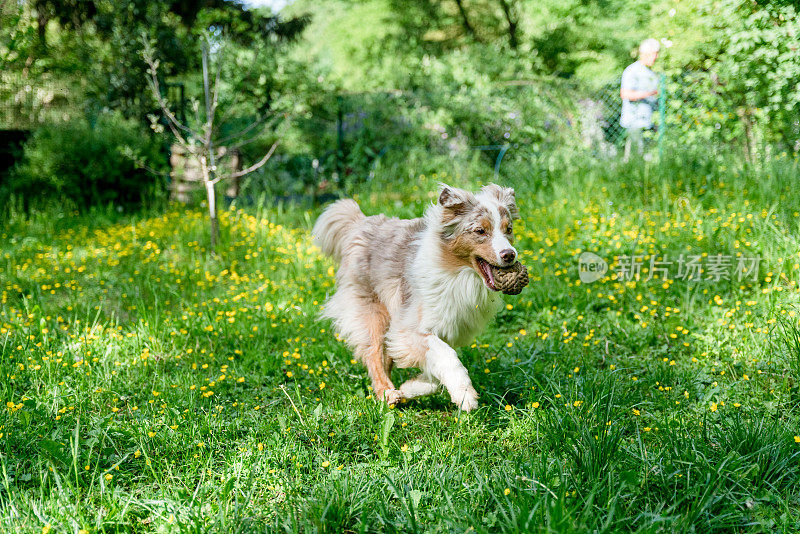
<point x="355" y="87"/>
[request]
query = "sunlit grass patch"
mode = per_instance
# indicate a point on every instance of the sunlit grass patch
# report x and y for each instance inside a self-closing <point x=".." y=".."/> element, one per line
<point x="150" y="385"/>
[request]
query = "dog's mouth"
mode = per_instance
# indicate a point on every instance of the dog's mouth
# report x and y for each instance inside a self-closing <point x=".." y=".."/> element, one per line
<point x="485" y="270"/>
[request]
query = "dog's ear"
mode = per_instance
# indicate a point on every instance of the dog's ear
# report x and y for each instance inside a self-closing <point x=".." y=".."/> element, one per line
<point x="456" y="200"/>
<point x="505" y="195"/>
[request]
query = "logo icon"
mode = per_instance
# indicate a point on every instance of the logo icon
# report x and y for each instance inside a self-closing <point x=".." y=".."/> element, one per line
<point x="591" y="267"/>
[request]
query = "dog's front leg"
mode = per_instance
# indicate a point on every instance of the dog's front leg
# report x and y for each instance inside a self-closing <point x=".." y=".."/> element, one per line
<point x="441" y="362"/>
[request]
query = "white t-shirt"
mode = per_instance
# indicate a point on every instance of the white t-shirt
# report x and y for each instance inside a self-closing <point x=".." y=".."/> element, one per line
<point x="639" y="113"/>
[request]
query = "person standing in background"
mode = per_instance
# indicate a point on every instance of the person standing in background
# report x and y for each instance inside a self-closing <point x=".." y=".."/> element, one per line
<point x="639" y="93"/>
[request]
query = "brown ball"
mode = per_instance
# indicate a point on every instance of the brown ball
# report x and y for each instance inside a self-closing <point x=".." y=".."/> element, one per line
<point x="511" y="280"/>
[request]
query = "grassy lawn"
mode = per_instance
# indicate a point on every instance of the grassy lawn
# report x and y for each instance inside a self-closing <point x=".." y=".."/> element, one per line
<point x="148" y="385"/>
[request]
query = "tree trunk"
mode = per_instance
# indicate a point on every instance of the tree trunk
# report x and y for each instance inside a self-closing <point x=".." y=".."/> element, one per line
<point x="211" y="196"/>
<point x="512" y="24"/>
<point x="209" y="164"/>
<point x="41" y="29"/>
<point x="465" y="19"/>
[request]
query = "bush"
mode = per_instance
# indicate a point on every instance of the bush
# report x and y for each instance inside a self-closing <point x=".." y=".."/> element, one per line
<point x="113" y="161"/>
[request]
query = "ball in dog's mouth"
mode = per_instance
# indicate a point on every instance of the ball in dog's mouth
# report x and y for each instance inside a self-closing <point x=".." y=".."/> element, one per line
<point x="510" y="280"/>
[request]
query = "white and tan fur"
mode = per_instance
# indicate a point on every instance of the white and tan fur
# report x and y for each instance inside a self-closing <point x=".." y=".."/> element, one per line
<point x="408" y="291"/>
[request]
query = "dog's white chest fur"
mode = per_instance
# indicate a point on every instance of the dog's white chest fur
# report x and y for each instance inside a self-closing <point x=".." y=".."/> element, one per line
<point x="455" y="306"/>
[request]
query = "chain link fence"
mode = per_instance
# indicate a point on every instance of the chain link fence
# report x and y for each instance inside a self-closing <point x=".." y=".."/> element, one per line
<point x="539" y="116"/>
<point x="352" y="135"/>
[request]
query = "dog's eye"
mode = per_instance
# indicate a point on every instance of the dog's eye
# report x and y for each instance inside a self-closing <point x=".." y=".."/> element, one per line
<point x="480" y="231"/>
<point x="509" y="229"/>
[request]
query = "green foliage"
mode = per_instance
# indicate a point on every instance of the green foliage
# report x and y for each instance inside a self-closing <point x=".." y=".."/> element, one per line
<point x="738" y="69"/>
<point x="361" y="42"/>
<point x="54" y="37"/>
<point x="112" y="160"/>
<point x="17" y="36"/>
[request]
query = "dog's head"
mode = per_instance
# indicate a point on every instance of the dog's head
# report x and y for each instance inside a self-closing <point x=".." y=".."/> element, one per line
<point x="477" y="229"/>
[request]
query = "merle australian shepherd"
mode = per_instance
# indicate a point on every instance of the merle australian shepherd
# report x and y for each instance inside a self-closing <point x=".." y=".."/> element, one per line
<point x="408" y="291"/>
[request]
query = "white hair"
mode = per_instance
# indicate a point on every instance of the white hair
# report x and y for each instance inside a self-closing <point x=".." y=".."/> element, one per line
<point x="649" y="46"/>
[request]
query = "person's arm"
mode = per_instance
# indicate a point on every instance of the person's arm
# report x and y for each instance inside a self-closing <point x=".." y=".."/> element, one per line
<point x="633" y="95"/>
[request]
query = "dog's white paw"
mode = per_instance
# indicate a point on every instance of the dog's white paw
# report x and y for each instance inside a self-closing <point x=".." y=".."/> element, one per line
<point x="466" y="398"/>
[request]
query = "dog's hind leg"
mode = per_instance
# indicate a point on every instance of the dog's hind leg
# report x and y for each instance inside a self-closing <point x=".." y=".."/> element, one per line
<point x="362" y="322"/>
<point x="370" y="350"/>
<point x="419" y="386"/>
<point x="410" y="348"/>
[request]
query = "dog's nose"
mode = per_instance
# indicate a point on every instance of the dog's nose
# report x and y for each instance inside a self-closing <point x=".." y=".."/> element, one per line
<point x="508" y="255"/>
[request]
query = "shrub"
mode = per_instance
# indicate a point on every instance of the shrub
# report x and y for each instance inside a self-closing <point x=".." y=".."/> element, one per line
<point x="113" y="161"/>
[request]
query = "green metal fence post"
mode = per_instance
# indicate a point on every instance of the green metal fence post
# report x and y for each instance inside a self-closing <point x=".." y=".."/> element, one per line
<point x="662" y="114"/>
<point x="499" y="160"/>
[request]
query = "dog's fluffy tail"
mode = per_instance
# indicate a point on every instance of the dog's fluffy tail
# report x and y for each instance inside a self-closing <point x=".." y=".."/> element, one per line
<point x="332" y="229"/>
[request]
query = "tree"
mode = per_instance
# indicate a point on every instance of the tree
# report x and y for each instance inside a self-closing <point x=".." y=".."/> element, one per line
<point x="108" y="32"/>
<point x="511" y="19"/>
<point x="202" y="143"/>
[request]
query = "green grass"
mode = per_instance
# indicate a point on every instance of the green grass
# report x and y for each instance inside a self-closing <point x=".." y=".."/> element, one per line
<point x="150" y="386"/>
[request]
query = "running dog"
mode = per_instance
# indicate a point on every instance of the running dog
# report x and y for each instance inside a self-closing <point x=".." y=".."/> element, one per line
<point x="408" y="291"/>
